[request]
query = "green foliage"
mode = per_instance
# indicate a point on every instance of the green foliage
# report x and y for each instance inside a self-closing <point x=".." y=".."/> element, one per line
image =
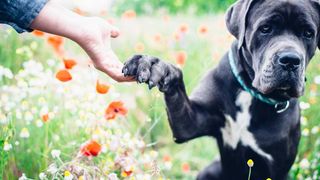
<point x="173" y="6"/>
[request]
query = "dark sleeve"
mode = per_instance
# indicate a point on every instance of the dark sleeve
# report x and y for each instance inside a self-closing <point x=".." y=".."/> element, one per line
<point x="20" y="13"/>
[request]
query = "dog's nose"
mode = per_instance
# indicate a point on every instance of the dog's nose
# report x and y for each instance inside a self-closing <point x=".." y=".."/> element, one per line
<point x="289" y="60"/>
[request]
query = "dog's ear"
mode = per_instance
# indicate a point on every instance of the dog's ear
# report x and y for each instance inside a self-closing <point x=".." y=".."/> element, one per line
<point x="317" y="5"/>
<point x="236" y="19"/>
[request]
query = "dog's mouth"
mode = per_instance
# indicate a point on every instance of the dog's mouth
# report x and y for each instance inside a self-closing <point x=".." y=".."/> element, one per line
<point x="281" y="88"/>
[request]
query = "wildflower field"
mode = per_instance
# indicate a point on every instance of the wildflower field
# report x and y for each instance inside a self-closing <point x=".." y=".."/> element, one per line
<point x="62" y="119"/>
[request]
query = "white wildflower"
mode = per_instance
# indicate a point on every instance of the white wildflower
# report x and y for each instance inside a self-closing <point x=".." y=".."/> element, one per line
<point x="68" y="175"/>
<point x="52" y="169"/>
<point x="315" y="130"/>
<point x="23" y="177"/>
<point x="7" y="146"/>
<point x="42" y="176"/>
<point x="112" y="176"/>
<point x="304" y="164"/>
<point x="55" y="153"/>
<point x="24" y="133"/>
<point x="39" y="123"/>
<point x="304" y="105"/>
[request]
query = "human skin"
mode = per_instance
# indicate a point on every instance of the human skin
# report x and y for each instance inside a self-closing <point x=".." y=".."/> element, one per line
<point x="93" y="34"/>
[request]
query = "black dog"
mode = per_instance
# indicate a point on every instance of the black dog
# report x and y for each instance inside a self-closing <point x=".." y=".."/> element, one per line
<point x="249" y="102"/>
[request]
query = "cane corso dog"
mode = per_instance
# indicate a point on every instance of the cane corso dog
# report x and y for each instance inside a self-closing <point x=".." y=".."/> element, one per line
<point x="249" y="102"/>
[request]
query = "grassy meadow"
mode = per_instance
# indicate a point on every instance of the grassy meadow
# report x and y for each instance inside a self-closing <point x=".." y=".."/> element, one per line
<point x="62" y="119"/>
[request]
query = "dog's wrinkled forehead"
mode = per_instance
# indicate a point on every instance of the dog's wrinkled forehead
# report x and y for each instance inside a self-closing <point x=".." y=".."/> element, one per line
<point x="238" y="14"/>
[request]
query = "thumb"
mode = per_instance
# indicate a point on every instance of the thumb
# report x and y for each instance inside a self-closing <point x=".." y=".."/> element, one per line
<point x="114" y="32"/>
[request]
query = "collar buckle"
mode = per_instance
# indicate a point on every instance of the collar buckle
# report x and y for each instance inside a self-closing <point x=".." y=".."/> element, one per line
<point x="281" y="107"/>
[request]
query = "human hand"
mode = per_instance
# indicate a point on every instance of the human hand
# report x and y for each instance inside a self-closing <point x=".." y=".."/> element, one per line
<point x="96" y="41"/>
<point x="91" y="33"/>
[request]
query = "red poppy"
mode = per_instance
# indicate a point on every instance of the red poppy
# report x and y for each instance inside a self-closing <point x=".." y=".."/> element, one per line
<point x="69" y="63"/>
<point x="181" y="57"/>
<point x="129" y="14"/>
<point x="183" y="28"/>
<point x="102" y="88"/>
<point x="79" y="11"/>
<point x="185" y="167"/>
<point x="91" y="148"/>
<point x="166" y="158"/>
<point x="139" y="48"/>
<point x="56" y="42"/>
<point x="45" y="117"/>
<point x="115" y="108"/>
<point x="38" y="33"/>
<point x="126" y="173"/>
<point x="203" y="29"/>
<point x="63" y="75"/>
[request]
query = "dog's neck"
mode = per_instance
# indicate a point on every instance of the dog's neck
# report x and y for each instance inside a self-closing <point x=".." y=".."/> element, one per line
<point x="244" y="64"/>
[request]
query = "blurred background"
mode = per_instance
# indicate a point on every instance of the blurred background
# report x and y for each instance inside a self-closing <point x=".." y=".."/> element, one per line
<point x="55" y="107"/>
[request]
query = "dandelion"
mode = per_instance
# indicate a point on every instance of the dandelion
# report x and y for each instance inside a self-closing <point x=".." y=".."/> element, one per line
<point x="69" y="63"/>
<point x="185" y="167"/>
<point x="7" y="146"/>
<point x="63" y="75"/>
<point x="90" y="148"/>
<point x="250" y="163"/>
<point x="115" y="108"/>
<point x="24" y="133"/>
<point x="102" y="88"/>
<point x="181" y="57"/>
<point x="68" y="175"/>
<point x="55" y="153"/>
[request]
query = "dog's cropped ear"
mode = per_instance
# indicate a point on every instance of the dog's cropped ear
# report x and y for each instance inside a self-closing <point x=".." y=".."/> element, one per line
<point x="236" y="19"/>
<point x="317" y="5"/>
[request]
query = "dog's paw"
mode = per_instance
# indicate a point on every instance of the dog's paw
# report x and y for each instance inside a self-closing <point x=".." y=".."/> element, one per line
<point x="152" y="71"/>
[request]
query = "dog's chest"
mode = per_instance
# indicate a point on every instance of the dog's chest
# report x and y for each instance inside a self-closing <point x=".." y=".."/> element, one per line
<point x="236" y="130"/>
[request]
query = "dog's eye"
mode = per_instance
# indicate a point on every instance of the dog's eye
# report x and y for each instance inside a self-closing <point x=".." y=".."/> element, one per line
<point x="265" y="29"/>
<point x="308" y="33"/>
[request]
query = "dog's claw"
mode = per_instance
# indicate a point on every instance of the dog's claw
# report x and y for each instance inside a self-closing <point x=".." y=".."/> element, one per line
<point x="125" y="71"/>
<point x="151" y="84"/>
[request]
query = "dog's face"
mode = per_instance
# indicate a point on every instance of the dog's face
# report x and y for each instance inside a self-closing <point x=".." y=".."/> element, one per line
<point x="281" y="37"/>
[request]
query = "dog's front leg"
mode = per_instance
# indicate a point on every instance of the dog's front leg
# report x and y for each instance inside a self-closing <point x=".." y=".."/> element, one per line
<point x="188" y="118"/>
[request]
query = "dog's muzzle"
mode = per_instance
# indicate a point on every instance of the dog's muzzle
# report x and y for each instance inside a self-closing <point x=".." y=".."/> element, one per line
<point x="289" y="61"/>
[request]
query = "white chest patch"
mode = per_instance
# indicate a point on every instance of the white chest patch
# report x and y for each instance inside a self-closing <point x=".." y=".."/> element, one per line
<point x="236" y="131"/>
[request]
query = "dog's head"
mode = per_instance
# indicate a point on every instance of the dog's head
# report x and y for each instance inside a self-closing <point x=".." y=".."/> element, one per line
<point x="281" y="37"/>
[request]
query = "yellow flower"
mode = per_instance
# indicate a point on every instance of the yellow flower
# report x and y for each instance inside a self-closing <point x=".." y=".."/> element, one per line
<point x="268" y="179"/>
<point x="250" y="163"/>
<point x="67" y="173"/>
